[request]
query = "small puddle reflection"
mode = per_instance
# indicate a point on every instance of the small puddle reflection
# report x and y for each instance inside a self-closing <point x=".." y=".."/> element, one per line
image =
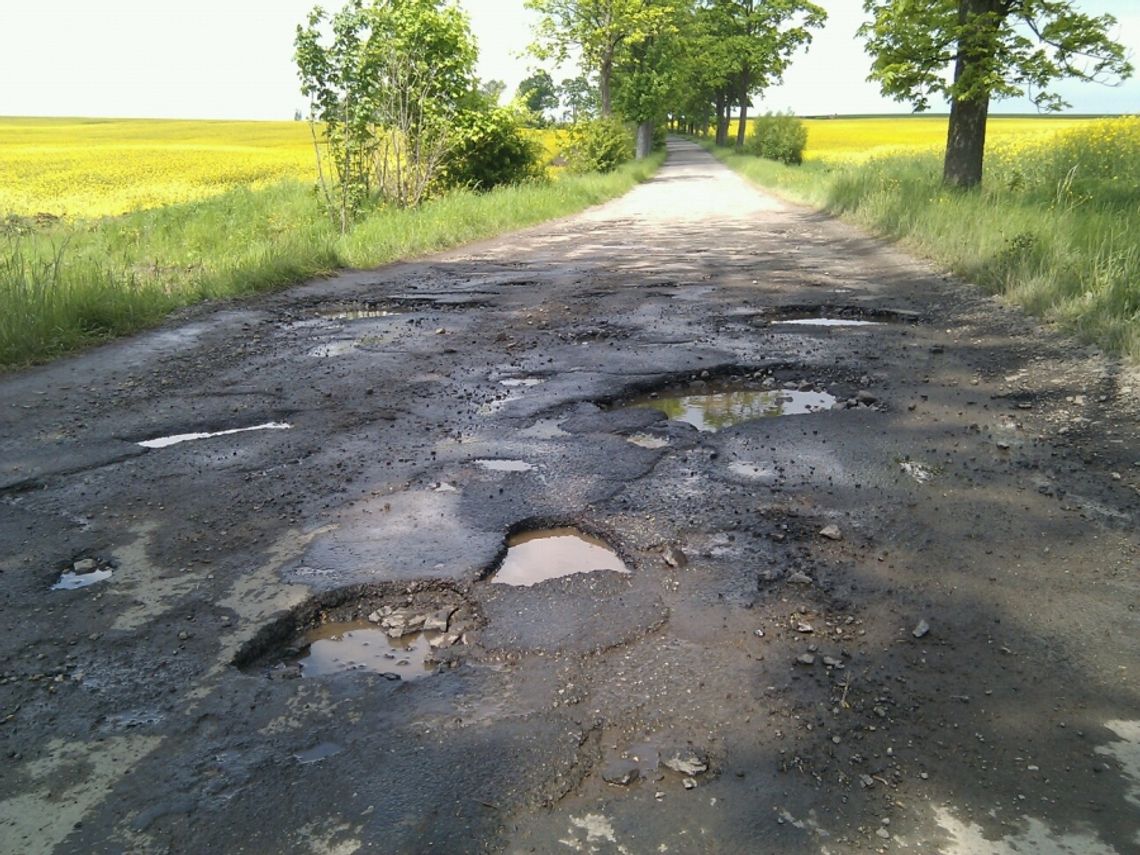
<point x="164" y="441"/>
<point x="750" y="470"/>
<point x="333" y="648"/>
<point x="716" y="410"/>
<point x="827" y="322"/>
<point x="535" y="556"/>
<point x="318" y="752"/>
<point x="645" y="440"/>
<point x="504" y="465"/>
<point x="74" y="581"/>
<point x="360" y="311"/>
<point x="522" y="381"/>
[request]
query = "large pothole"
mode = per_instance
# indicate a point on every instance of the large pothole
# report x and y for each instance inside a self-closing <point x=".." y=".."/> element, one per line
<point x="712" y="404"/>
<point x="538" y="555"/>
<point x="399" y="633"/>
<point x="831" y="316"/>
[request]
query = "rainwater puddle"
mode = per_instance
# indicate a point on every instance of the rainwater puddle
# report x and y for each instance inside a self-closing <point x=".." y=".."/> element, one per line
<point x="359" y="312"/>
<point x="920" y="472"/>
<point x="164" y="441"/>
<point x="334" y="648"/>
<point x="74" y="581"/>
<point x="504" y="465"/>
<point x="713" y="411"/>
<point x="828" y="322"/>
<point x="535" y="556"/>
<point x="750" y="470"/>
<point x="336" y="348"/>
<point x="320" y="751"/>
<point x="544" y="429"/>
<point x="522" y="381"/>
<point x="645" y="440"/>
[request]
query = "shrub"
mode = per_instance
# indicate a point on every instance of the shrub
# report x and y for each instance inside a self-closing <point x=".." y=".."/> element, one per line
<point x="779" y="136"/>
<point x="490" y="149"/>
<point x="598" y="145"/>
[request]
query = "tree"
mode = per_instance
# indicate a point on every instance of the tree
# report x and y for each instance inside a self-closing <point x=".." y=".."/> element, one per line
<point x="759" y="38"/>
<point x="492" y="90"/>
<point x="537" y="93"/>
<point x="998" y="49"/>
<point x="579" y="96"/>
<point x="599" y="29"/>
<point x="383" y="79"/>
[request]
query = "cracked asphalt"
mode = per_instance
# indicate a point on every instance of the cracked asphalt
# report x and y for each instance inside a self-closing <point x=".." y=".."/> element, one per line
<point x="952" y="668"/>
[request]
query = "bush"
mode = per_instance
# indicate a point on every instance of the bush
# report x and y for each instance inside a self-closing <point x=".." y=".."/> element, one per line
<point x="490" y="150"/>
<point x="598" y="145"/>
<point x="779" y="136"/>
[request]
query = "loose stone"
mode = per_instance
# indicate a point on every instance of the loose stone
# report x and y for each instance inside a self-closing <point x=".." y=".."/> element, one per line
<point x="921" y="629"/>
<point x="831" y="532"/>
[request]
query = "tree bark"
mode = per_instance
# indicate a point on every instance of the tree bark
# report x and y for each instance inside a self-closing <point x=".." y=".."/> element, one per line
<point x="604" y="74"/>
<point x="966" y="143"/>
<point x="742" y="127"/>
<point x="966" y="136"/>
<point x="722" y="118"/>
<point x="644" y="140"/>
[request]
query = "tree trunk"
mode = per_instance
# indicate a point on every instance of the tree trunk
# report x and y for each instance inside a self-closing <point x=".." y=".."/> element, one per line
<point x="722" y="118"/>
<point x="969" y="106"/>
<point x="742" y="127"/>
<point x="644" y="140"/>
<point x="604" y="75"/>
<point x="966" y="143"/>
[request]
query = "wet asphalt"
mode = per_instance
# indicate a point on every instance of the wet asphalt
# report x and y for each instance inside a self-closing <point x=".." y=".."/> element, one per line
<point x="907" y="623"/>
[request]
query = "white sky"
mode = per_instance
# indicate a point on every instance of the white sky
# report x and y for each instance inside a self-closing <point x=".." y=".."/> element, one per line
<point x="233" y="59"/>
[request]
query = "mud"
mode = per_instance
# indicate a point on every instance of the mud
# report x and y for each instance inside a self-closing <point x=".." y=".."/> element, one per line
<point x="905" y="623"/>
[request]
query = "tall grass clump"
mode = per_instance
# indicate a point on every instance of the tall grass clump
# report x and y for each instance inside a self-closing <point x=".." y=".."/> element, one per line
<point x="67" y="284"/>
<point x="1054" y="227"/>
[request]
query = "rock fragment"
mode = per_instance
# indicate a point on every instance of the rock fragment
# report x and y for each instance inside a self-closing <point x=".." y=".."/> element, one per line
<point x="831" y="532"/>
<point x="921" y="629"/>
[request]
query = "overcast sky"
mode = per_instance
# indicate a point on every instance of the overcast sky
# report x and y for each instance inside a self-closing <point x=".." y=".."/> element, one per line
<point x="233" y="59"/>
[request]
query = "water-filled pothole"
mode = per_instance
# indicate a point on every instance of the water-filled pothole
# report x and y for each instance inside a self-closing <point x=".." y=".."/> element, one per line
<point x="175" y="439"/>
<point x="359" y="310"/>
<point x="401" y="632"/>
<point x="833" y="316"/>
<point x="497" y="465"/>
<point x="360" y="645"/>
<point x="535" y="556"/>
<point x="73" y="581"/>
<point x="715" y="406"/>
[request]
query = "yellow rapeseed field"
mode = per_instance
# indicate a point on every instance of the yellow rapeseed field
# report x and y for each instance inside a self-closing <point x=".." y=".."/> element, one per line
<point x="99" y="167"/>
<point x="856" y="139"/>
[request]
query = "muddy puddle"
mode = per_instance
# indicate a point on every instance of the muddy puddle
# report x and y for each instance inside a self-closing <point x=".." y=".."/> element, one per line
<point x="828" y="322"/>
<point x="334" y="648"/>
<point x="535" y="556"/>
<point x="175" y="439"/>
<point x="714" y="407"/>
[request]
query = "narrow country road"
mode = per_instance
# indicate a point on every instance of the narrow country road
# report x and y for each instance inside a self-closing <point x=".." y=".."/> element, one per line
<point x="873" y="585"/>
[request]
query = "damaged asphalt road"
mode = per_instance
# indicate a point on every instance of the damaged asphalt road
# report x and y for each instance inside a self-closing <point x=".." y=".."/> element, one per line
<point x="904" y="620"/>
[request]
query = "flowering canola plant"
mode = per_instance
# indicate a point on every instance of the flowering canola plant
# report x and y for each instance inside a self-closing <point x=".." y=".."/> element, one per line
<point x="80" y="168"/>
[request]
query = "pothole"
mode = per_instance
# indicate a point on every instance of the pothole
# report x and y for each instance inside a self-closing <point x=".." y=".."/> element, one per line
<point x="175" y="439"/>
<point x="496" y="465"/>
<point x="541" y="554"/>
<point x="716" y="405"/>
<point x="360" y="310"/>
<point x="360" y="645"/>
<point x="833" y="316"/>
<point x="647" y="440"/>
<point x="402" y="633"/>
<point x="515" y="382"/>
<point x="83" y="573"/>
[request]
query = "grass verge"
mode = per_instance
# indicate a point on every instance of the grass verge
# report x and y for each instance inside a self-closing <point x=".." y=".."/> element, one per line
<point x="67" y="285"/>
<point x="1054" y="228"/>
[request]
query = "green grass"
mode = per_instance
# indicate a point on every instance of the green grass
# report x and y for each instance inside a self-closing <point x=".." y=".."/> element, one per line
<point x="67" y="285"/>
<point x="1055" y="227"/>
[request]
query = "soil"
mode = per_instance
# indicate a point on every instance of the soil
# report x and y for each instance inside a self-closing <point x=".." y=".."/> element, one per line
<point x="905" y="623"/>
